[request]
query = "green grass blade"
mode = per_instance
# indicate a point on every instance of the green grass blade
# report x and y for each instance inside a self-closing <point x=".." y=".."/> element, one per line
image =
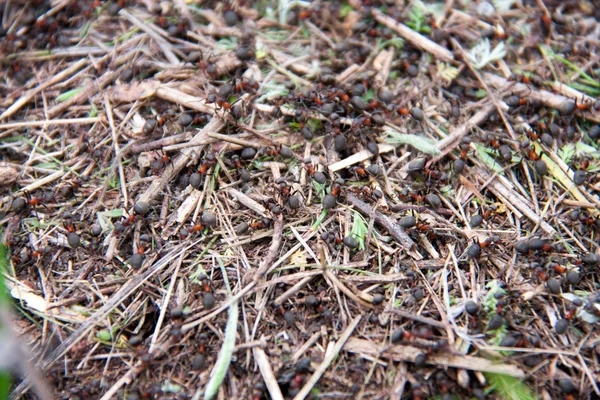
<point x="69" y="94"/>
<point x="421" y="143"/>
<point x="219" y="371"/>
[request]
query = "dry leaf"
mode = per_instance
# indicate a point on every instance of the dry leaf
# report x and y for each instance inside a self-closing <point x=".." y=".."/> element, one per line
<point x="298" y="258"/>
<point x="8" y="176"/>
<point x="128" y="93"/>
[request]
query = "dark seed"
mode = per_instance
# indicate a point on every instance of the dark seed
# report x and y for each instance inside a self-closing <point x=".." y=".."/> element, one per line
<point x="512" y="101"/>
<point x="230" y="18"/>
<point x="73" y="239"/>
<point x="459" y="166"/>
<point x="418" y="294"/>
<point x="455" y="111"/>
<point x="196" y="180"/>
<point x="417" y="164"/>
<point x="136" y="340"/>
<point x="420" y="361"/>
<point x="141" y="208"/>
<point x="126" y="75"/>
<point x="476" y="221"/>
<point x="567" y="385"/>
<point x="177" y="312"/>
<point x="591" y="259"/>
<point x="294" y="202"/>
<point x="307" y="133"/>
<point x="208" y="300"/>
<point x="541" y="168"/>
<point x="198" y="362"/>
<point x="350" y="242"/>
<point x="580" y="177"/>
<point x="311" y="301"/>
<point x="439" y="35"/>
<point x="522" y="246"/>
<point x="508" y="341"/>
<point x="244" y="175"/>
<point x="328" y="79"/>
<point x="474" y="251"/>
<point x="209" y="219"/>
<point x="378" y="298"/>
<point x="96" y="230"/>
<point x="248" y="153"/>
<point x="357" y="90"/>
<point x="225" y="90"/>
<point x="412" y="71"/>
<point x="536" y="244"/>
<point x="185" y="120"/>
<point x="386" y="96"/>
<point x="496" y="322"/>
<point x="567" y="107"/>
<point x="374" y="169"/>
<point x="547" y="139"/>
<point x="573" y="277"/>
<point x="237" y="111"/>
<point x="373" y="319"/>
<point x="286" y="152"/>
<point x="136" y="261"/>
<point x="561" y="326"/>
<point x="433" y="200"/>
<point x="417" y="113"/>
<point x="243" y="53"/>
<point x="397" y="335"/>
<point x="241" y="228"/>
<point x="594" y="132"/>
<point x="289" y="317"/>
<point x="505" y="152"/>
<point x="18" y="204"/>
<point x="408" y="222"/>
<point x="358" y="103"/>
<point x="149" y="126"/>
<point x="194" y="56"/>
<point x="340" y="143"/>
<point x="553" y="285"/>
<point x="303" y="365"/>
<point x="329" y="201"/>
<point x="373" y="148"/>
<point x="379" y="121"/>
<point x="471" y="308"/>
<point x="320" y="177"/>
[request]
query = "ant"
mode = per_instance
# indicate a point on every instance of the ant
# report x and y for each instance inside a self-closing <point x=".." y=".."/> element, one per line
<point x="208" y="162"/>
<point x="336" y="187"/>
<point x="261" y="224"/>
<point x="358" y="171"/>
<point x="309" y="166"/>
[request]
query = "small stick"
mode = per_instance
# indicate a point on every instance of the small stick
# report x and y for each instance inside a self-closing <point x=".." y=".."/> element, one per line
<point x="314" y="378"/>
<point x="267" y="373"/>
<point x="359" y="157"/>
<point x="178" y="97"/>
<point x="27" y="97"/>
<point x="413" y="37"/>
<point x="273" y="249"/>
<point x="291" y="291"/>
<point x="248" y="202"/>
<point x="159" y="144"/>
<point x="115" y="139"/>
<point x="392" y="226"/>
<point x="63" y="121"/>
<point x="162" y="43"/>
<point x="235" y="140"/>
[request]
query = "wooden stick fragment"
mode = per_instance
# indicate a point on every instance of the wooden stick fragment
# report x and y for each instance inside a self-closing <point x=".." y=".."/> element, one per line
<point x="359" y="157"/>
<point x="314" y="378"/>
<point x="409" y="353"/>
<point x="413" y="37"/>
<point x="267" y="373"/>
<point x="392" y="226"/>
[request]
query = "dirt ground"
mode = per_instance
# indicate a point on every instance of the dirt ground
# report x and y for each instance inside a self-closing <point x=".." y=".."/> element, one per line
<point x="295" y="199"/>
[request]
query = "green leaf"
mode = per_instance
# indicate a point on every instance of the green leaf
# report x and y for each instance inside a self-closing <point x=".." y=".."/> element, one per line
<point x="359" y="230"/>
<point x="67" y="95"/>
<point x="420" y="143"/>
<point x="217" y="375"/>
<point x="319" y="188"/>
<point x="509" y="387"/>
<point x="482" y="153"/>
<point x="346" y="9"/>
<point x="93" y="111"/>
<point x="319" y="220"/>
<point x="567" y="152"/>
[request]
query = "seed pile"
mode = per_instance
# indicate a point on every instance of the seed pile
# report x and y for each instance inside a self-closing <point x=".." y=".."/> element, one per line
<point x="376" y="189"/>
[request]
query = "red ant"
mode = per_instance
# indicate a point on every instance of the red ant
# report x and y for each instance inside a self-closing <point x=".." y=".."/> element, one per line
<point x="358" y="171"/>
<point x="208" y="162"/>
<point x="262" y="224"/>
<point x="337" y="187"/>
<point x="309" y="166"/>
